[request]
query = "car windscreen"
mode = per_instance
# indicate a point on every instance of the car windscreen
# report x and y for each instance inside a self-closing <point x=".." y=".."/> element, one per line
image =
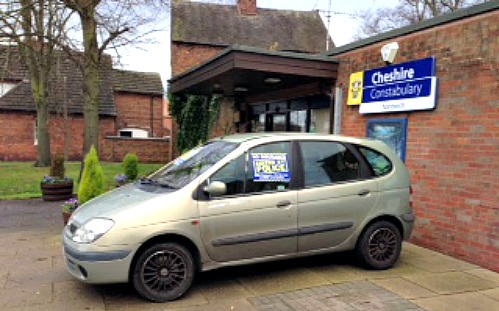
<point x="191" y="164"/>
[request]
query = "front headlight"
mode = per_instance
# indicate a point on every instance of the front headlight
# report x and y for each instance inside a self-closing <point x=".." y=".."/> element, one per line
<point x="92" y="230"/>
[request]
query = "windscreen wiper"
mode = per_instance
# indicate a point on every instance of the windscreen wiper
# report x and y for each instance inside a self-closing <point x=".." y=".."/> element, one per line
<point x="147" y="181"/>
<point x="166" y="185"/>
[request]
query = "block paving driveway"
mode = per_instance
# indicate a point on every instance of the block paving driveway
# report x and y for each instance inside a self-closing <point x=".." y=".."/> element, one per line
<point x="33" y="277"/>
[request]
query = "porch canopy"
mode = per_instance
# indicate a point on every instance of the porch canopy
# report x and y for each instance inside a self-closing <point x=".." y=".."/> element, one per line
<point x="258" y="75"/>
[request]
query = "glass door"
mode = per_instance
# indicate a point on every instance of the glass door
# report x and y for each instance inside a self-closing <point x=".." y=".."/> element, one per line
<point x="278" y="122"/>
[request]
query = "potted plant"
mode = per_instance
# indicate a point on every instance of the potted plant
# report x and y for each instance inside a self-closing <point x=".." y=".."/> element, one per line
<point x="120" y="179"/>
<point x="68" y="208"/>
<point x="56" y="186"/>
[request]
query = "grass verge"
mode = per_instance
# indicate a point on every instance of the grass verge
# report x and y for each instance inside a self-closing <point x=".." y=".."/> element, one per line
<point x="21" y="180"/>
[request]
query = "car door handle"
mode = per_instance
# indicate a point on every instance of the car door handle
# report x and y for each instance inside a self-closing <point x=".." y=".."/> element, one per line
<point x="284" y="203"/>
<point x="364" y="192"/>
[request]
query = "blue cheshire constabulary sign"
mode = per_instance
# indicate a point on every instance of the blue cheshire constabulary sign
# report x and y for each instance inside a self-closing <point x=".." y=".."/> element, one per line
<point x="404" y="87"/>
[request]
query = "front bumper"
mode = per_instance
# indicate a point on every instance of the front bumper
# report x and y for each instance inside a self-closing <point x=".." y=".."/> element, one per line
<point x="110" y="266"/>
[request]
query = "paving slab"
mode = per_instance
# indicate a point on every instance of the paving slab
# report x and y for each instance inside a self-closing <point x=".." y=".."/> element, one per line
<point x="352" y="296"/>
<point x="22" y="296"/>
<point x="458" y="302"/>
<point x="281" y="281"/>
<point x="214" y="286"/>
<point x="404" y="288"/>
<point x="452" y="282"/>
<point x="485" y="274"/>
<point x="492" y="293"/>
<point x="441" y="263"/>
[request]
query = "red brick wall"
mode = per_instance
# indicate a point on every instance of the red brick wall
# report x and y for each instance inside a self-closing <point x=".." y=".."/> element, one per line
<point x="149" y="150"/>
<point x="18" y="134"/>
<point x="140" y="111"/>
<point x="186" y="56"/>
<point x="452" y="152"/>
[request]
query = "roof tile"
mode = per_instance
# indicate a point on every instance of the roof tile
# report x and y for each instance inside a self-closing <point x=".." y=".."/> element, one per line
<point x="137" y="82"/>
<point x="65" y="85"/>
<point x="216" y="24"/>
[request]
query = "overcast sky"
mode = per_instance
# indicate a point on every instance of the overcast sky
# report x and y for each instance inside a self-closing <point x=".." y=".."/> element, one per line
<point x="343" y="26"/>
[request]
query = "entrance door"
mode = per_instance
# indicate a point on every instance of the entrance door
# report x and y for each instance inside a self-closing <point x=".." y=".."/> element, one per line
<point x="277" y="122"/>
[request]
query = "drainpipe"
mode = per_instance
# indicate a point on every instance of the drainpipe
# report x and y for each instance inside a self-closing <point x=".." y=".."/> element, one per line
<point x="338" y="99"/>
<point x="152" y="116"/>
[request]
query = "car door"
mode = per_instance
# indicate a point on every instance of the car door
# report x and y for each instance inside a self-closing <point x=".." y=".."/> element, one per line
<point x="337" y="195"/>
<point x="257" y="216"/>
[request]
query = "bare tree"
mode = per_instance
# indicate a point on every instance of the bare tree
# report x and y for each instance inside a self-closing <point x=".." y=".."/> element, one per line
<point x="108" y="25"/>
<point x="33" y="28"/>
<point x="407" y="12"/>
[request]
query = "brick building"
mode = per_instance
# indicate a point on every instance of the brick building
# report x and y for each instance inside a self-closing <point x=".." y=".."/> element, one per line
<point x="451" y="149"/>
<point x="130" y="112"/>
<point x="212" y="28"/>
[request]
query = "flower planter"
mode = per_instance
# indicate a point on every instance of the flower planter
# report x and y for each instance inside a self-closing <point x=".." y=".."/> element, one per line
<point x="65" y="217"/>
<point x="57" y="191"/>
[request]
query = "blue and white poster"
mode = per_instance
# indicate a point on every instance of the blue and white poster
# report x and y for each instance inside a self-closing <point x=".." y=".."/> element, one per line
<point x="404" y="87"/>
<point x="392" y="132"/>
<point x="270" y="167"/>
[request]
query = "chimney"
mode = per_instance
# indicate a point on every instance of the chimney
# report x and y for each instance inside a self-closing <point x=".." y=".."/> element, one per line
<point x="247" y="7"/>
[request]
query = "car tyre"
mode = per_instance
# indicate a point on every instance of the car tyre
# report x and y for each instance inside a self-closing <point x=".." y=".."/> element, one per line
<point x="379" y="245"/>
<point x="163" y="272"/>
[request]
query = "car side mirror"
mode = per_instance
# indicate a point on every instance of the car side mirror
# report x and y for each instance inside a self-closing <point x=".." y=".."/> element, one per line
<point x="216" y="188"/>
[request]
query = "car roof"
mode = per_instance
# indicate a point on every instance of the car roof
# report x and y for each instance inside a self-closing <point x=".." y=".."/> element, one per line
<point x="241" y="138"/>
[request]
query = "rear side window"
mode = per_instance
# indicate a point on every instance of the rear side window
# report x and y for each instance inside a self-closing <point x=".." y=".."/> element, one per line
<point x="326" y="162"/>
<point x="379" y="163"/>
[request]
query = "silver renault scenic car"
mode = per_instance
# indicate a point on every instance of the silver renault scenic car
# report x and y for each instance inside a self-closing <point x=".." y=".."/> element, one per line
<point x="244" y="199"/>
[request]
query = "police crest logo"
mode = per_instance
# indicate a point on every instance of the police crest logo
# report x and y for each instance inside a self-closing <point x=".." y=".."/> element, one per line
<point x="355" y="88"/>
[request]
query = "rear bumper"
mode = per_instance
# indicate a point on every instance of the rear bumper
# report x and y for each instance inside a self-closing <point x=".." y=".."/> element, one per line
<point x="408" y="224"/>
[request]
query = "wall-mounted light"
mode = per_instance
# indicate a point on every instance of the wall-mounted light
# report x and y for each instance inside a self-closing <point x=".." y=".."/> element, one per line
<point x="272" y="80"/>
<point x="217" y="89"/>
<point x="240" y="89"/>
<point x="389" y="51"/>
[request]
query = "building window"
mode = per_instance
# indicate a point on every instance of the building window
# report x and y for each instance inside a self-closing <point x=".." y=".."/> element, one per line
<point x="392" y="132"/>
<point x="35" y="133"/>
<point x="306" y="114"/>
<point x="133" y="132"/>
<point x="6" y="87"/>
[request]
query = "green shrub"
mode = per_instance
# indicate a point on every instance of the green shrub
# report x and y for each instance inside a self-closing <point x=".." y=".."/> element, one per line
<point x="57" y="167"/>
<point x="131" y="166"/>
<point x="92" y="181"/>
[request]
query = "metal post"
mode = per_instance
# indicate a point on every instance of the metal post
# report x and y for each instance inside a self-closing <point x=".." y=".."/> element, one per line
<point x="338" y="99"/>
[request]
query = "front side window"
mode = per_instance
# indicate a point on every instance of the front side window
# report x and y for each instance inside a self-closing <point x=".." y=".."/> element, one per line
<point x="269" y="168"/>
<point x="261" y="169"/>
<point x="328" y="162"/>
<point x="190" y="165"/>
<point x="233" y="175"/>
